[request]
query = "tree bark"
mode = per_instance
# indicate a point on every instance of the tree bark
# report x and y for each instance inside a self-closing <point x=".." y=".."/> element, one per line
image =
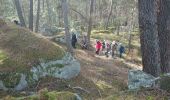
<point x="38" y="17"/>
<point x="66" y="25"/>
<point x="49" y="13"/>
<point x="90" y="23"/>
<point x="149" y="37"/>
<point x="43" y="4"/>
<point x="19" y="12"/>
<point x="164" y="34"/>
<point x="31" y="16"/>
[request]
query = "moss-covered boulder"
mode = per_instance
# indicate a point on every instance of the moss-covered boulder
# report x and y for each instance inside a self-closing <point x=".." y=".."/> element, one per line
<point x="24" y="49"/>
<point x="25" y="57"/>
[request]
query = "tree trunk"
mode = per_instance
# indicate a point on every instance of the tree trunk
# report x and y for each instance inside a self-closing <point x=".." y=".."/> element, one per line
<point x="31" y="16"/>
<point x="66" y="25"/>
<point x="43" y="5"/>
<point x="38" y="17"/>
<point x="49" y="13"/>
<point x="130" y="43"/>
<point x="90" y="23"/>
<point x="164" y="34"/>
<point x="19" y="12"/>
<point x="149" y="37"/>
<point x="110" y="13"/>
<point x="118" y="29"/>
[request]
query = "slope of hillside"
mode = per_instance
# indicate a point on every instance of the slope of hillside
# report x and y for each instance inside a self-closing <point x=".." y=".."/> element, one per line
<point x="21" y="49"/>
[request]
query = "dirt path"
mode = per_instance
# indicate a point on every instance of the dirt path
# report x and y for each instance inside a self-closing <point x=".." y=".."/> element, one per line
<point x="98" y="68"/>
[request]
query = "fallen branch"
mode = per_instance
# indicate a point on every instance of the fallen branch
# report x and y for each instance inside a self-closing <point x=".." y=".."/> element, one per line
<point x="78" y="88"/>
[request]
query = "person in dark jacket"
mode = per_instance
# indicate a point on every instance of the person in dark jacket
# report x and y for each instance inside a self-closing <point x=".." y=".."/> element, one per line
<point x="103" y="45"/>
<point x="74" y="40"/>
<point x="121" y="50"/>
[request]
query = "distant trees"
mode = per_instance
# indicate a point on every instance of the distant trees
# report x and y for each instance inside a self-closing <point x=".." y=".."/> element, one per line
<point x="90" y="23"/>
<point x="19" y="12"/>
<point x="110" y="13"/>
<point x="38" y="16"/>
<point x="31" y="16"/>
<point x="49" y="13"/>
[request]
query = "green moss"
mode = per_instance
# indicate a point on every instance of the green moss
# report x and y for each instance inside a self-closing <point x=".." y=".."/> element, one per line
<point x="10" y="80"/>
<point x="3" y="56"/>
<point x="51" y="96"/>
<point x="150" y="98"/>
<point x="101" y="31"/>
<point x="103" y="85"/>
<point x="29" y="78"/>
<point x="65" y="96"/>
<point x="119" y="85"/>
<point x="35" y="97"/>
<point x="119" y="97"/>
<point x="54" y="95"/>
<point x="18" y="66"/>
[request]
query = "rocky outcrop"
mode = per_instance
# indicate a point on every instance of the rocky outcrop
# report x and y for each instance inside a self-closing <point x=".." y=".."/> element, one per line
<point x="66" y="68"/>
<point x="138" y="78"/>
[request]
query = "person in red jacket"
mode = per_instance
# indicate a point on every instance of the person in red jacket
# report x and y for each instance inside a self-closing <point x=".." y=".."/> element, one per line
<point x="98" y="47"/>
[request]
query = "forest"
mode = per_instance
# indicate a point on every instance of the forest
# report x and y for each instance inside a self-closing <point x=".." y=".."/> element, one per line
<point x="84" y="50"/>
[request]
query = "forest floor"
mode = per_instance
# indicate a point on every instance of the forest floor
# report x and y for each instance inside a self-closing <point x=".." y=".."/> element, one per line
<point x="107" y="78"/>
<point x="101" y="78"/>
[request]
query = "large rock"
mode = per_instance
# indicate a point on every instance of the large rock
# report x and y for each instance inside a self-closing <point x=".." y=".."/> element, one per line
<point x="138" y="79"/>
<point x="66" y="68"/>
<point x="22" y="83"/>
<point x="70" y="69"/>
<point x="2" y="87"/>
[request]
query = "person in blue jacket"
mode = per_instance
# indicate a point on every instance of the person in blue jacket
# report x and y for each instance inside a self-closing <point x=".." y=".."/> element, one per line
<point x="121" y="50"/>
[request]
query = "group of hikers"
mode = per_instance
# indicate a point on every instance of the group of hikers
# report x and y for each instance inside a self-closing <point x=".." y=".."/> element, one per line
<point x="111" y="48"/>
<point x="106" y="47"/>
